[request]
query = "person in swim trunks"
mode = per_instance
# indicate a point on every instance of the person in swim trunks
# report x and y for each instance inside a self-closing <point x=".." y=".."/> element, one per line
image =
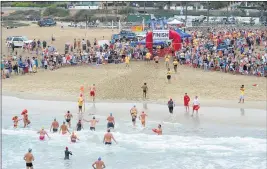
<point x="54" y="126"/>
<point x="133" y="113"/>
<point x="108" y="137"/>
<point x="93" y="91"/>
<point x="29" y="158"/>
<point x="93" y="123"/>
<point x="80" y="103"/>
<point x="67" y="154"/>
<point x="73" y="137"/>
<point x="68" y="117"/>
<point x="142" y="117"/>
<point x="64" y="128"/>
<point x="42" y="133"/>
<point x="145" y="89"/>
<point x="79" y="126"/>
<point x="98" y="164"/>
<point x="111" y="121"/>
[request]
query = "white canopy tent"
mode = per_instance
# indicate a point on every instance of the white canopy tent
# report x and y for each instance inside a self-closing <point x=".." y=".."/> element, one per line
<point x="174" y="22"/>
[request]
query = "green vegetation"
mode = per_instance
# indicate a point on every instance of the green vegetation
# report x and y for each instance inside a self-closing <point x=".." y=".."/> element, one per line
<point x="13" y="24"/>
<point x="31" y="4"/>
<point x="126" y="11"/>
<point x="56" y="12"/>
<point x="21" y="15"/>
<point x="81" y="15"/>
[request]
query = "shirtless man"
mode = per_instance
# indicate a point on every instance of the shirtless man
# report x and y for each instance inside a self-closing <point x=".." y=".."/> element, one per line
<point x="79" y="126"/>
<point x="145" y="88"/>
<point x="133" y="113"/>
<point x="93" y="91"/>
<point x="92" y="123"/>
<point x="73" y="137"/>
<point x="111" y="121"/>
<point x="142" y="117"/>
<point x="29" y="158"/>
<point x="68" y="117"/>
<point x="26" y="120"/>
<point x="54" y="126"/>
<point x="108" y="137"/>
<point x="42" y="133"/>
<point x="98" y="164"/>
<point x="64" y="128"/>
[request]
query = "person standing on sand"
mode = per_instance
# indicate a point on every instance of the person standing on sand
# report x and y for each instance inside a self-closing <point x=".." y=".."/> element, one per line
<point x="142" y="117"/>
<point x="93" y="91"/>
<point x="156" y="59"/>
<point x="29" y="158"/>
<point x="186" y="102"/>
<point x="64" y="128"/>
<point x="93" y="123"/>
<point x="169" y="75"/>
<point x="98" y="164"/>
<point x="175" y="64"/>
<point x="145" y="89"/>
<point x="55" y="126"/>
<point x="242" y="93"/>
<point x="127" y="61"/>
<point x="170" y="105"/>
<point x="195" y="105"/>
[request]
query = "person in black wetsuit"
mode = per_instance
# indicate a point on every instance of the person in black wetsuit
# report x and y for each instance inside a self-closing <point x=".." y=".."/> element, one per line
<point x="67" y="154"/>
<point x="79" y="125"/>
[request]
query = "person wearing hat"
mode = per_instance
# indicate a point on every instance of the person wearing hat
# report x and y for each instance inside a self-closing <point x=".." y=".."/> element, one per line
<point x="111" y="121"/>
<point x="29" y="158"/>
<point x="67" y="154"/>
<point x="99" y="164"/>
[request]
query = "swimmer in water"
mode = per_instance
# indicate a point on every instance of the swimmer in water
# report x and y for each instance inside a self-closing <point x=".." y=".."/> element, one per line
<point x="68" y="117"/>
<point x="54" y="126"/>
<point x="133" y="113"/>
<point x="159" y="130"/>
<point x="16" y="121"/>
<point x="42" y="133"/>
<point x="92" y="123"/>
<point x="142" y="117"/>
<point x="26" y="120"/>
<point x="29" y="158"/>
<point x="108" y="137"/>
<point x="111" y="121"/>
<point x="98" y="164"/>
<point x="80" y="103"/>
<point x="64" y="128"/>
<point x="79" y="126"/>
<point x="93" y="91"/>
<point x="73" y="137"/>
<point x="67" y="154"/>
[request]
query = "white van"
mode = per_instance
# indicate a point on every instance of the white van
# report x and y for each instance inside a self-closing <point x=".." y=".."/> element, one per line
<point x="18" y="41"/>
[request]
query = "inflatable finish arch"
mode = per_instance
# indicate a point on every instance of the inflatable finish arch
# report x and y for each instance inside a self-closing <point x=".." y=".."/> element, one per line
<point x="173" y="35"/>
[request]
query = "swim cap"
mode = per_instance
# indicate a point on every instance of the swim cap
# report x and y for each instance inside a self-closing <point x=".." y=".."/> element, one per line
<point x="67" y="148"/>
<point x="94" y="117"/>
<point x="42" y="127"/>
<point x="110" y="114"/>
<point x="30" y="150"/>
<point x="134" y="105"/>
<point x="99" y="158"/>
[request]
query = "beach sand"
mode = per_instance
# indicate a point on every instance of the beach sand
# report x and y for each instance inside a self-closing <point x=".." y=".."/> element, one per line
<point x="117" y="83"/>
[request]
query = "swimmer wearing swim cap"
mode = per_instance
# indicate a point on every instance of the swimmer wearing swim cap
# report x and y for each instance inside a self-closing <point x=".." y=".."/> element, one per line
<point x="29" y="158"/>
<point x="111" y="121"/>
<point x="99" y="164"/>
<point x="54" y="126"/>
<point x="92" y="123"/>
<point x="67" y="154"/>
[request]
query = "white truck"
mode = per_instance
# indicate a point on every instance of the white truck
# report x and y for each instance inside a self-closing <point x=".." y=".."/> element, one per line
<point x="18" y="41"/>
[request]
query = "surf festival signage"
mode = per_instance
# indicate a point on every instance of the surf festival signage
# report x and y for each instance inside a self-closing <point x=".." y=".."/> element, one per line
<point x="160" y="34"/>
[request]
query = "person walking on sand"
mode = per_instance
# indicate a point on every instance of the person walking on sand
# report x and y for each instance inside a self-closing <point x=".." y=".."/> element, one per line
<point x="29" y="158"/>
<point x="80" y="103"/>
<point x="170" y="105"/>
<point x="127" y="61"/>
<point x="108" y="137"/>
<point x="64" y="128"/>
<point x="99" y="164"/>
<point x="175" y="64"/>
<point x="92" y="123"/>
<point x="54" y="126"/>
<point x="196" y="105"/>
<point x="142" y="117"/>
<point x="242" y="94"/>
<point x="93" y="92"/>
<point x="145" y="89"/>
<point x="68" y="117"/>
<point x="186" y="102"/>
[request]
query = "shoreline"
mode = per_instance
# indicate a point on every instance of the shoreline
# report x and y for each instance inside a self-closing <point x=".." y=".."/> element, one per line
<point x="260" y="105"/>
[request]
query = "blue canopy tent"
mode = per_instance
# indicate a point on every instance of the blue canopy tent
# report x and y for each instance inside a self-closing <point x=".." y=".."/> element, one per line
<point x="183" y="34"/>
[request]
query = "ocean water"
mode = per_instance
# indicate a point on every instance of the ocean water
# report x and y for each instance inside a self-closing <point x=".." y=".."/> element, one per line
<point x="190" y="144"/>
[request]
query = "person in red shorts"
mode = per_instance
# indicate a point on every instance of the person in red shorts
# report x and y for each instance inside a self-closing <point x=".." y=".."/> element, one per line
<point x="92" y="92"/>
<point x="186" y="102"/>
<point x="196" y="105"/>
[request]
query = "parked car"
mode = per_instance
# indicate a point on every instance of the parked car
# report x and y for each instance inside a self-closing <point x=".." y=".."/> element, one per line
<point x="47" y="22"/>
<point x="18" y="41"/>
<point x="127" y="35"/>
